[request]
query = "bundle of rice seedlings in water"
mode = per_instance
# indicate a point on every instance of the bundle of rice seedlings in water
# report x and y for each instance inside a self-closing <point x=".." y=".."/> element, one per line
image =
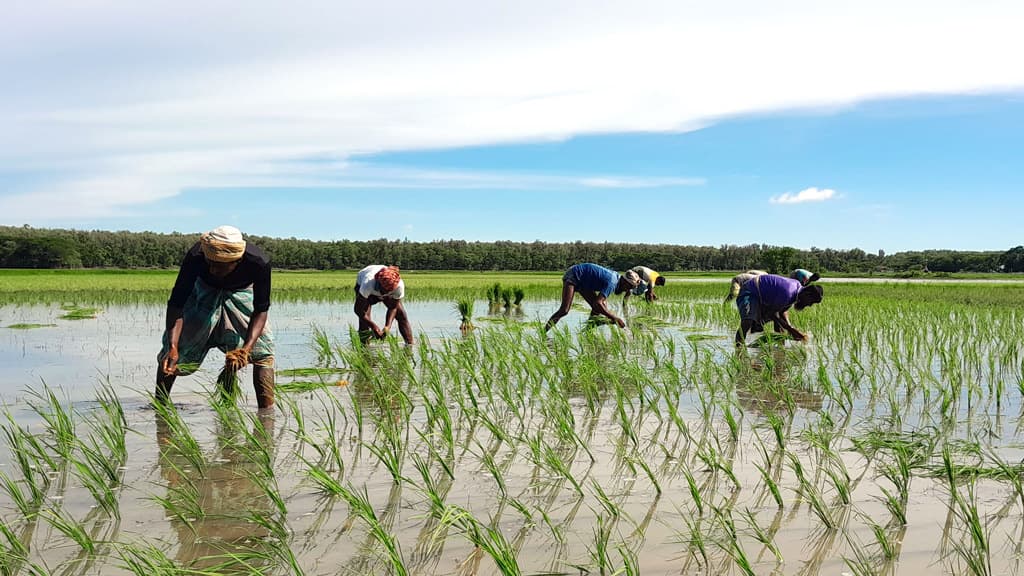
<point x="506" y="297"/>
<point x="494" y="293"/>
<point x="464" y="307"/>
<point x="769" y="339"/>
<point x="519" y="295"/>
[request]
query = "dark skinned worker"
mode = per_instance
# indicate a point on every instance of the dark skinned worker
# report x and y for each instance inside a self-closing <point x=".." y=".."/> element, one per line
<point x="379" y="283"/>
<point x="768" y="297"/>
<point x="220" y="300"/>
<point x="595" y="283"/>
<point x="804" y="276"/>
<point x="648" y="280"/>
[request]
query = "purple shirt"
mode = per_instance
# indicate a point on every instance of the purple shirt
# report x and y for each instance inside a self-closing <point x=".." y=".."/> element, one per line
<point x="776" y="292"/>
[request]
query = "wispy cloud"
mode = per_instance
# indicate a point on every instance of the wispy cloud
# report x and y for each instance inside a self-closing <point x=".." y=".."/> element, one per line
<point x="136" y="180"/>
<point x="805" y="195"/>
<point x="634" y="183"/>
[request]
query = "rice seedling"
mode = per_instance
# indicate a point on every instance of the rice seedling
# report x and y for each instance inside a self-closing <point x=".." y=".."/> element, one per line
<point x="730" y="542"/>
<point x="27" y="504"/>
<point x="60" y="420"/>
<point x="322" y="347"/>
<point x="149" y="560"/>
<point x="14" y="555"/>
<point x="518" y="294"/>
<point x="763" y="536"/>
<point x="359" y="504"/>
<point x="99" y="475"/>
<point x="275" y="550"/>
<point x="178" y="436"/>
<point x="71" y="528"/>
<point x="464" y="307"/>
<point x="973" y="547"/>
<point x="33" y="460"/>
<point x="182" y="501"/>
<point x="74" y="312"/>
<point x="600" y="553"/>
<point x="484" y="537"/>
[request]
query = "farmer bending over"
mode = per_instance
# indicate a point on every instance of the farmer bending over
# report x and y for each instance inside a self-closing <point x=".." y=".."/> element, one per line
<point x="805" y="277"/>
<point x="220" y="300"/>
<point x="648" y="280"/>
<point x="767" y="297"/>
<point x="595" y="283"/>
<point x="379" y="283"/>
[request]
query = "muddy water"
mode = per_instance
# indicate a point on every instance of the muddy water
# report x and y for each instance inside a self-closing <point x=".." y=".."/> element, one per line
<point x="122" y="342"/>
<point x="562" y="528"/>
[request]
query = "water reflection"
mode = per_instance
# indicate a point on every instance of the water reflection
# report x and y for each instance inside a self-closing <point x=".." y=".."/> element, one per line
<point x="774" y="375"/>
<point x="223" y="496"/>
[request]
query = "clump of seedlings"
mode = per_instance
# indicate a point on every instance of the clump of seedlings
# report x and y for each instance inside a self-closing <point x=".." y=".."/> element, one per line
<point x="464" y="306"/>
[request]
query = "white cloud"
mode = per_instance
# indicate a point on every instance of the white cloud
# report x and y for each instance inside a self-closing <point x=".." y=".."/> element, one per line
<point x="805" y="195"/>
<point x="166" y="98"/>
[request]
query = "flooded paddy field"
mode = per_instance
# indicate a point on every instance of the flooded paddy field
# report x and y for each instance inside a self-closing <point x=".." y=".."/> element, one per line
<point x="890" y="443"/>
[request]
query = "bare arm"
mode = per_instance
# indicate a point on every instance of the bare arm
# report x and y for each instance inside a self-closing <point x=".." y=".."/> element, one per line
<point x="741" y="334"/>
<point x="651" y="297"/>
<point x="389" y="318"/>
<point x="782" y="319"/>
<point x="256" y="325"/>
<point x="174" y="323"/>
<point x="599" y="304"/>
<point x="362" y="310"/>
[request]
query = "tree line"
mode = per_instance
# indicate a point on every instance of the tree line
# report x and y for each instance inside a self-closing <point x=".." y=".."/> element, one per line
<point x="27" y="247"/>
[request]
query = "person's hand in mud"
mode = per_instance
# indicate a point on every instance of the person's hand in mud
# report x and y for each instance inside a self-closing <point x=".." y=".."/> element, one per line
<point x="620" y="322"/>
<point x="170" y="363"/>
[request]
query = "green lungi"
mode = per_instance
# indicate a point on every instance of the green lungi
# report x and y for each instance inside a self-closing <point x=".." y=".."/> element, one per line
<point x="216" y="318"/>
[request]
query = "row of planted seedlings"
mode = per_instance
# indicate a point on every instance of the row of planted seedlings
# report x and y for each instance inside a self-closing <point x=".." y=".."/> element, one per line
<point x="610" y="451"/>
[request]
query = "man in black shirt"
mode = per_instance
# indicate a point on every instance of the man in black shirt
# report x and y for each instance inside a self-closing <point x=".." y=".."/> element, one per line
<point x="220" y="300"/>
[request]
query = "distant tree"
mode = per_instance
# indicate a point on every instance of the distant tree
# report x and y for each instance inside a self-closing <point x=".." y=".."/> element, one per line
<point x="1012" y="260"/>
<point x="779" y="259"/>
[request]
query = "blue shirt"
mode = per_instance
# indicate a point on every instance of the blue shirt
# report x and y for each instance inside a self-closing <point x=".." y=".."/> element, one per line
<point x="597" y="278"/>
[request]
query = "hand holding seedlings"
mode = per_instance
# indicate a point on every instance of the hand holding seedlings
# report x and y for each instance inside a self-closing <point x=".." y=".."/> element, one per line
<point x="237" y="359"/>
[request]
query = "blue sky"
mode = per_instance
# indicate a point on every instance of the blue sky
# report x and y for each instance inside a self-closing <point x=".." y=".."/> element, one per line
<point x="654" y="122"/>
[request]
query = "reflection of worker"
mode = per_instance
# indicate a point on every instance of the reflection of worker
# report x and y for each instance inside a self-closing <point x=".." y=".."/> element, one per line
<point x="648" y="280"/>
<point x="220" y="300"/>
<point x="768" y="297"/>
<point x="805" y="277"/>
<point x="595" y="283"/>
<point x="378" y="283"/>
<point x="226" y="495"/>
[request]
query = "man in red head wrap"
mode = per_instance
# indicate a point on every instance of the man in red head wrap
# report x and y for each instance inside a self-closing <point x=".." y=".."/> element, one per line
<point x="379" y="283"/>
